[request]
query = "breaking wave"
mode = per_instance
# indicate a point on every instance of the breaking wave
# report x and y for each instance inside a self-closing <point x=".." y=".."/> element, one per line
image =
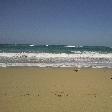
<point x="75" y="59"/>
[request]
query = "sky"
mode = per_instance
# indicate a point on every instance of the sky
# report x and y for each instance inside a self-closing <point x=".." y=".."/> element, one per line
<point x="71" y="22"/>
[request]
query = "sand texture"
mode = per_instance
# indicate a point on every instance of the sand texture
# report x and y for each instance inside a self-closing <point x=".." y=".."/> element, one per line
<point x="55" y="90"/>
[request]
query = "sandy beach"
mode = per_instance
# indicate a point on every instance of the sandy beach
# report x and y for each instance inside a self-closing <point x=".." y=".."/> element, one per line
<point x="55" y="90"/>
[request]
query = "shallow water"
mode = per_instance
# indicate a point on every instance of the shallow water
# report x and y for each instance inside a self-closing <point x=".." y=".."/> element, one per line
<point x="55" y="56"/>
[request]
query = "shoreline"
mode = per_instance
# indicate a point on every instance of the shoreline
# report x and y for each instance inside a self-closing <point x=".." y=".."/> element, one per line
<point x="49" y="67"/>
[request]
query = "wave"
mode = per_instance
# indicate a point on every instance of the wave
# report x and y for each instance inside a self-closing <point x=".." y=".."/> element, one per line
<point x="75" y="54"/>
<point x="34" y="48"/>
<point x="31" y="45"/>
<point x="70" y="46"/>
<point x="76" y="59"/>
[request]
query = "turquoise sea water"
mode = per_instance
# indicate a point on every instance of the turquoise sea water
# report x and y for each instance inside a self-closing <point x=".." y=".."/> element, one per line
<point x="55" y="55"/>
<point x="51" y="48"/>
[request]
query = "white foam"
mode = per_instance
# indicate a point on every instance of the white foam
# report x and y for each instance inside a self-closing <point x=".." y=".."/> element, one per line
<point x="31" y="45"/>
<point x="51" y="65"/>
<point x="83" y="59"/>
<point x="70" y="46"/>
<point x="76" y="54"/>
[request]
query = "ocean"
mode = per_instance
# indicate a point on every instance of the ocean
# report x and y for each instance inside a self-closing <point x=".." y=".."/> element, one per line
<point x="55" y="56"/>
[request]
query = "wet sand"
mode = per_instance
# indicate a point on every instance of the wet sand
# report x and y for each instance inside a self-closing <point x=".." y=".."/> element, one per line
<point x="55" y="90"/>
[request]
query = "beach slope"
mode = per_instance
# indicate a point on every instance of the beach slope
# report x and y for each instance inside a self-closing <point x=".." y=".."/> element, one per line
<point x="55" y="90"/>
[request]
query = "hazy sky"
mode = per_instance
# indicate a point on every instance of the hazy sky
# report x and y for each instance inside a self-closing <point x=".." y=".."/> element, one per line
<point x="84" y="22"/>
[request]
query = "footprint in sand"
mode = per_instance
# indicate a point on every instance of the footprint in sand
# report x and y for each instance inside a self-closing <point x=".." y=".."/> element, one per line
<point x="60" y="93"/>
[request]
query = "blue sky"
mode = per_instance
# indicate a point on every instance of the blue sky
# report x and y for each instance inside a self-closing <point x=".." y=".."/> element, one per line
<point x="78" y="22"/>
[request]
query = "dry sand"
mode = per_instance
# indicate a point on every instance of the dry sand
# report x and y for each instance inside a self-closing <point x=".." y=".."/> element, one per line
<point x="55" y="90"/>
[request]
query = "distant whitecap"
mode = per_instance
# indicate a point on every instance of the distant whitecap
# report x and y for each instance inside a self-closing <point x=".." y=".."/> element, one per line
<point x="31" y="45"/>
<point x="69" y="46"/>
